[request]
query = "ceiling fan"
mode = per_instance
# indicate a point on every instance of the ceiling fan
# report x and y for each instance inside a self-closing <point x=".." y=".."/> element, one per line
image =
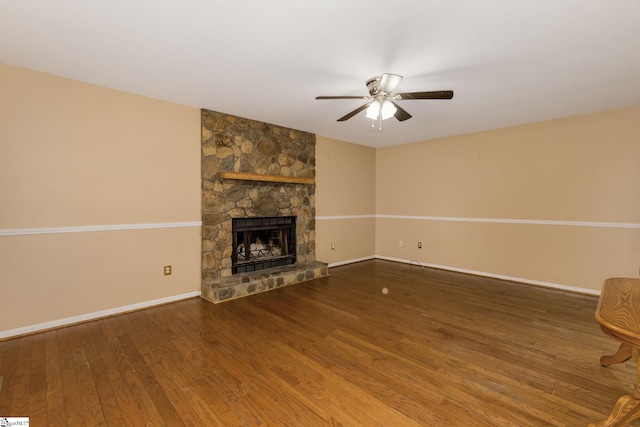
<point x="381" y="104"/>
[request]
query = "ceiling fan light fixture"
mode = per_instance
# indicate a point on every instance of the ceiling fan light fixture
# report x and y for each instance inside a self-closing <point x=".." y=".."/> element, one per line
<point x="380" y="110"/>
<point x="387" y="110"/>
<point x="373" y="110"/>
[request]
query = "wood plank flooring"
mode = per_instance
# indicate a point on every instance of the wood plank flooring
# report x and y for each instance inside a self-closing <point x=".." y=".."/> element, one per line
<point x="440" y="349"/>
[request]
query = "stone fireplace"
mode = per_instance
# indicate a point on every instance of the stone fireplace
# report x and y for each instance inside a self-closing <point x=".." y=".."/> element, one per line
<point x="252" y="173"/>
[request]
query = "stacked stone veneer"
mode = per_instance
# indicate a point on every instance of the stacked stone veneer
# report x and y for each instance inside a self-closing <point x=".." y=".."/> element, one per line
<point x="231" y="143"/>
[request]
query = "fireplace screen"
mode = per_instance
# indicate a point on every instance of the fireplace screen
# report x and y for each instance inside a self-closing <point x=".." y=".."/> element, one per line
<point x="260" y="243"/>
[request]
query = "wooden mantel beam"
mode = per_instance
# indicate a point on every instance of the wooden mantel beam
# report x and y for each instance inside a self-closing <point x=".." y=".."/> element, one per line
<point x="266" y="178"/>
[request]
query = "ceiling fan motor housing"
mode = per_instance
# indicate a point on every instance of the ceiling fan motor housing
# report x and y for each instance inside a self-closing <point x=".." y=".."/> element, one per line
<point x="373" y="84"/>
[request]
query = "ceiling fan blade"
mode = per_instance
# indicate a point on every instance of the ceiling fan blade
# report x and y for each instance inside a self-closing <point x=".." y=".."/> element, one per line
<point x="440" y="94"/>
<point x="401" y="114"/>
<point x="353" y="113"/>
<point x="341" y="97"/>
<point x="388" y="83"/>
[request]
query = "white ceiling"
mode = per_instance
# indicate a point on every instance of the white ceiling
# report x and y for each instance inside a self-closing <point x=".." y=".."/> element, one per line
<point x="509" y="62"/>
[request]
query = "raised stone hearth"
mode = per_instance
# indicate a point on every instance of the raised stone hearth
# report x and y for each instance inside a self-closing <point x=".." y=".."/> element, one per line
<point x="240" y="285"/>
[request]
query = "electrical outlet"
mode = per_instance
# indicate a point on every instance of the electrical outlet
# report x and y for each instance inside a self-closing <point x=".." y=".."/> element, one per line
<point x="419" y="245"/>
<point x="401" y="243"/>
<point x="333" y="246"/>
<point x="167" y="270"/>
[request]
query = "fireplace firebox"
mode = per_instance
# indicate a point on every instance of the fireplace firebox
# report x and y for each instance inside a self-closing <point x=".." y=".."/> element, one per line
<point x="260" y="243"/>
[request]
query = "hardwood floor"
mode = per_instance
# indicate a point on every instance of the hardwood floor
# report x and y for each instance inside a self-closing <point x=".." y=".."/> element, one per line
<point x="440" y="348"/>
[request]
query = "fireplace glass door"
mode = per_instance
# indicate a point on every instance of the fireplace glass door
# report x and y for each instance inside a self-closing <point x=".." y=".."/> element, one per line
<point x="260" y="243"/>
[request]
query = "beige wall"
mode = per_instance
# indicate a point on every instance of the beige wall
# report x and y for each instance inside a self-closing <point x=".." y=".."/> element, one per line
<point x="345" y="201"/>
<point x="78" y="155"/>
<point x="75" y="155"/>
<point x="580" y="170"/>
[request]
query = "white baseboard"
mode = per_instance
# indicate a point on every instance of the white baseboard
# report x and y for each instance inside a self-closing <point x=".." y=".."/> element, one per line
<point x="351" y="261"/>
<point x="92" y="316"/>
<point x="478" y="273"/>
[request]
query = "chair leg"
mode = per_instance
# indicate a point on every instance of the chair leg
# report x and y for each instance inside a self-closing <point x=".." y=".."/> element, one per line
<point x="627" y="408"/>
<point x="624" y="353"/>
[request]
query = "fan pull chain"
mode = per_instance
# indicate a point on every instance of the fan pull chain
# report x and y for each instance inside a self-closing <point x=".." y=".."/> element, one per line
<point x="373" y="122"/>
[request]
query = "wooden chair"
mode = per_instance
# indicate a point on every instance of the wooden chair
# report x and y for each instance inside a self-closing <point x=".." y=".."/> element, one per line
<point x="618" y="313"/>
